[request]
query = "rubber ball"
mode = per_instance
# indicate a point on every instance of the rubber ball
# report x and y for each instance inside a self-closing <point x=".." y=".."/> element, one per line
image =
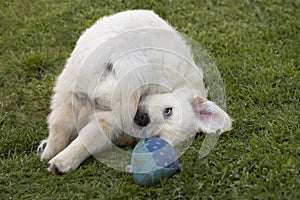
<point x="152" y="160"/>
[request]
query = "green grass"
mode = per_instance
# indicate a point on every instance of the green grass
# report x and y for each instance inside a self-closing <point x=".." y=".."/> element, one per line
<point x="255" y="44"/>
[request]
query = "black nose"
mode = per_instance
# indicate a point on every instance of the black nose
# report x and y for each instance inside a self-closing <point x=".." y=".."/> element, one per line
<point x="141" y="119"/>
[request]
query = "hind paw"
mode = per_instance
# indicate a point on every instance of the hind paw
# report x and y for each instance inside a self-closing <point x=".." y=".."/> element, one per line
<point x="41" y="147"/>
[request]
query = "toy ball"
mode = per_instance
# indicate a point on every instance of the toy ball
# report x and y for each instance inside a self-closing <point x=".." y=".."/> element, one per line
<point x="153" y="159"/>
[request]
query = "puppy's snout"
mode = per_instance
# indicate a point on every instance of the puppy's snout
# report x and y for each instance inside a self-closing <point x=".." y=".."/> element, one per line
<point x="141" y="119"/>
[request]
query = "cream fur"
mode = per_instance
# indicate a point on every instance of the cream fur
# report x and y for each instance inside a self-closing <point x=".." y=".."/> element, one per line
<point x="122" y="62"/>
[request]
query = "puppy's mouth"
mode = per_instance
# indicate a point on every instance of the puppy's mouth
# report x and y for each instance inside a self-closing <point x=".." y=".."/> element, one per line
<point x="149" y="131"/>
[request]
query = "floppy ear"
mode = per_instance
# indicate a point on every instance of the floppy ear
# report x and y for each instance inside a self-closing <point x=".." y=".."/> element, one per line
<point x="210" y="117"/>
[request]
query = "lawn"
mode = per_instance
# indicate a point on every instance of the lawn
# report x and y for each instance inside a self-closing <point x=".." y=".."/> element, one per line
<point x="255" y="45"/>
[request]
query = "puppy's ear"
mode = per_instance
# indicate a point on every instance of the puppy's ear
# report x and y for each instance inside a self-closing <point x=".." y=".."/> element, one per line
<point x="210" y="117"/>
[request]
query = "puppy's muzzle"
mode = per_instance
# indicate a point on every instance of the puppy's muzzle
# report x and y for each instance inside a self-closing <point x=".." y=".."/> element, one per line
<point x="141" y="119"/>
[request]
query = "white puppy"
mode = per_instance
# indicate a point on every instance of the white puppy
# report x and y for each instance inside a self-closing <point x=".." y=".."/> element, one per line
<point x="131" y="75"/>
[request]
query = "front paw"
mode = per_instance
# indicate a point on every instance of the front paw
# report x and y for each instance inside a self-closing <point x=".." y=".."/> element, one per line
<point x="58" y="166"/>
<point x="62" y="165"/>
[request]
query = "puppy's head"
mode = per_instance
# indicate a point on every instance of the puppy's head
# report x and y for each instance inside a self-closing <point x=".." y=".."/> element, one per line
<point x="178" y="116"/>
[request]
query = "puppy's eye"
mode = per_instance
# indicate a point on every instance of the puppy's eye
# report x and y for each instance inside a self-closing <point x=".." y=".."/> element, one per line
<point x="168" y="112"/>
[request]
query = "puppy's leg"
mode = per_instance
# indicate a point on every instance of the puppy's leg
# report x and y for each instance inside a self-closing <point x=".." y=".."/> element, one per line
<point x="94" y="138"/>
<point x="61" y="128"/>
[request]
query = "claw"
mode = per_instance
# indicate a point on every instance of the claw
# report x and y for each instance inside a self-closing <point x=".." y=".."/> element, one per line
<point x="41" y="147"/>
<point x="54" y="169"/>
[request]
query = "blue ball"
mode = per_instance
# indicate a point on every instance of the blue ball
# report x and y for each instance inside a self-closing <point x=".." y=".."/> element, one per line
<point x="152" y="160"/>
